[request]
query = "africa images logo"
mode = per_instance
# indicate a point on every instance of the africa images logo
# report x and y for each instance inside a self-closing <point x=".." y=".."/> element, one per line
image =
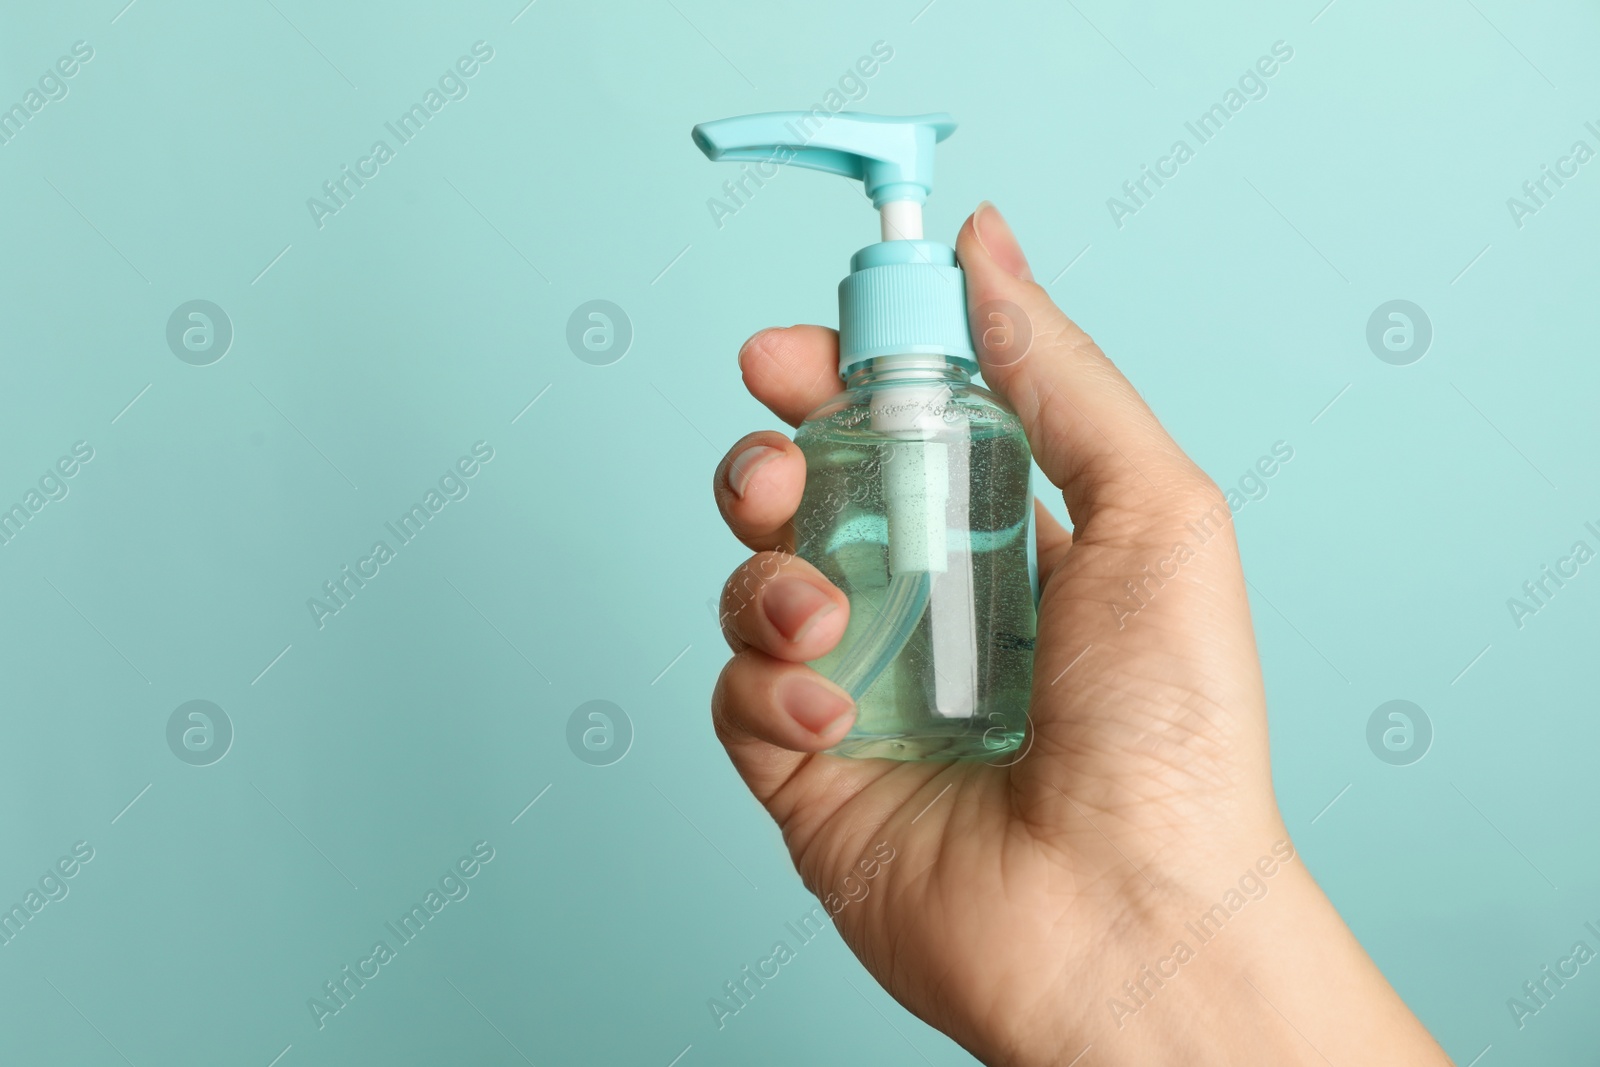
<point x="339" y="991"/>
<point x="453" y="485"/>
<point x="452" y="85"/>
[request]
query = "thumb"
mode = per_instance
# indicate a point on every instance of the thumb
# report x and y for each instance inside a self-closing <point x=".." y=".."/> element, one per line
<point x="1090" y="431"/>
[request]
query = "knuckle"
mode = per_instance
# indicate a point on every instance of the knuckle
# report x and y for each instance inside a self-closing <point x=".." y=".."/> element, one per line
<point x="720" y="701"/>
<point x="1199" y="500"/>
<point x="1198" y="489"/>
<point x="719" y="473"/>
<point x="738" y="593"/>
<point x="729" y="696"/>
<point x="743" y="587"/>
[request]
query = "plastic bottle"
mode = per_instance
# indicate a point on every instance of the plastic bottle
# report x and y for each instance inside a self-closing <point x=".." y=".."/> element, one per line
<point x="917" y="500"/>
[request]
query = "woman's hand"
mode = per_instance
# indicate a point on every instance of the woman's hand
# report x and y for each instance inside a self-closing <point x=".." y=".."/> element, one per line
<point x="1127" y="883"/>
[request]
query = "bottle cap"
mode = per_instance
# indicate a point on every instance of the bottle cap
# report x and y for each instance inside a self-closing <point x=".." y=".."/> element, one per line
<point x="904" y="295"/>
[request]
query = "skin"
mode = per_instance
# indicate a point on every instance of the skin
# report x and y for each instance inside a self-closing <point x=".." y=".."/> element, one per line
<point x="1021" y="898"/>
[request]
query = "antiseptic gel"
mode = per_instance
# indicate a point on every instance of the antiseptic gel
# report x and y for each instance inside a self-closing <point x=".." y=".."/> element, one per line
<point x="917" y="500"/>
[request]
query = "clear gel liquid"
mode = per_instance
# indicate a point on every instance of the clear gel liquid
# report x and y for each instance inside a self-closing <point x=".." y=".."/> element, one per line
<point x="959" y="688"/>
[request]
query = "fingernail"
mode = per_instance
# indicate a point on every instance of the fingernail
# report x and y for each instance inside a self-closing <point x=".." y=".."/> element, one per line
<point x="793" y="606"/>
<point x="811" y="703"/>
<point x="994" y="234"/>
<point x="745" y="465"/>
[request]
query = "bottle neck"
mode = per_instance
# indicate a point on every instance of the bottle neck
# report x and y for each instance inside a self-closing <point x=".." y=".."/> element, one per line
<point x="906" y="369"/>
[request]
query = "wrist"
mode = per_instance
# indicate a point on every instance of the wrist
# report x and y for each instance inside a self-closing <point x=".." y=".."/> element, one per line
<point x="1247" y="966"/>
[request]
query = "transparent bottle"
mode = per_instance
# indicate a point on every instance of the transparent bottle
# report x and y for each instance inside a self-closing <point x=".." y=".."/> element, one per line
<point x="917" y="501"/>
<point x="938" y="653"/>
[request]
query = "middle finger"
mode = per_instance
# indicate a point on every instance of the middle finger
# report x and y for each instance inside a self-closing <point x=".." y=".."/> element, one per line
<point x="780" y="604"/>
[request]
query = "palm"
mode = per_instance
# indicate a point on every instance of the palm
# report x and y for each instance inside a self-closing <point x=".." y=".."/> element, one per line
<point x="1050" y="847"/>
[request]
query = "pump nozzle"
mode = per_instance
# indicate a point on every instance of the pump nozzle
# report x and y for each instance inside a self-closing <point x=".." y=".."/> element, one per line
<point x="891" y="156"/>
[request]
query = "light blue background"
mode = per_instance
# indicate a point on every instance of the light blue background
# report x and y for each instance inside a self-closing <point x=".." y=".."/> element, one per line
<point x="371" y="353"/>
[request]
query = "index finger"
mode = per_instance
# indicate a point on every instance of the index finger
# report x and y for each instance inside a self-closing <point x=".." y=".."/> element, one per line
<point x="792" y="370"/>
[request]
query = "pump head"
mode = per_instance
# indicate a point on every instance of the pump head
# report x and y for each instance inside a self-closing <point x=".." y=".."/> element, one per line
<point x="904" y="296"/>
<point x="891" y="157"/>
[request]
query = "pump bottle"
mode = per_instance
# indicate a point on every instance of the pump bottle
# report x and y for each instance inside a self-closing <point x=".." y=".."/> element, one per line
<point x="917" y="502"/>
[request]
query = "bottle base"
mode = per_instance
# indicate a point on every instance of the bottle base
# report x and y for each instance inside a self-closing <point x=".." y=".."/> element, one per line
<point x="960" y="742"/>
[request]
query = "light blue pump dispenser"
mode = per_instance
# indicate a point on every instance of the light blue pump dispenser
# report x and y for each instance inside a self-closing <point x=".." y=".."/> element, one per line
<point x="904" y="296"/>
<point x="915" y="449"/>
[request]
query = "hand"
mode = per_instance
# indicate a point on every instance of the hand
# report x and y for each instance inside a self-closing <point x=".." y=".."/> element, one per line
<point x="1019" y="900"/>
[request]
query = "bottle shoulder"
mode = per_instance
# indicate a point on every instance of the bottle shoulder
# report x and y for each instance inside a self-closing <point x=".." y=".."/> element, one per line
<point x="959" y="406"/>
